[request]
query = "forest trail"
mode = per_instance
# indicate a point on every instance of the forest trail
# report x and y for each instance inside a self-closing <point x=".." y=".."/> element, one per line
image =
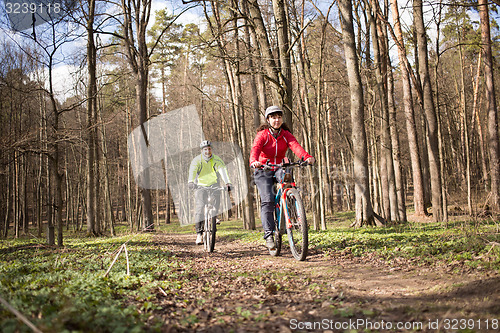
<point x="241" y="287"/>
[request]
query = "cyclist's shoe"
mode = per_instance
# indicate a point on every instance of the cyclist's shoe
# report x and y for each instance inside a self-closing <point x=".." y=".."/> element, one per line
<point x="270" y="243"/>
<point x="199" y="239"/>
<point x="217" y="221"/>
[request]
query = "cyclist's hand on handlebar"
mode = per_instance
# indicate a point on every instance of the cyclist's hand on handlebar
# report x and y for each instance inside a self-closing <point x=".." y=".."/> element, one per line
<point x="256" y="164"/>
<point x="310" y="160"/>
<point x="191" y="186"/>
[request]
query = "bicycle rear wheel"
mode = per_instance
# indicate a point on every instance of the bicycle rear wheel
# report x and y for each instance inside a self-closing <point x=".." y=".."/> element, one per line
<point x="297" y="229"/>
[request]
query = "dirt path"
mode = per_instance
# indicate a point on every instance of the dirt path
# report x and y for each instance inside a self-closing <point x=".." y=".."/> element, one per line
<point x="241" y="288"/>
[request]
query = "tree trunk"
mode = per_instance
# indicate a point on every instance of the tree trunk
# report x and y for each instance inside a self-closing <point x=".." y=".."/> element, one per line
<point x="439" y="119"/>
<point x="141" y="95"/>
<point x="430" y="112"/>
<point x="130" y="219"/>
<point x="387" y="134"/>
<point x="69" y="194"/>
<point x="91" y="126"/>
<point x="364" y="211"/>
<point x="476" y="119"/>
<point x="386" y="163"/>
<point x="138" y="12"/>
<point x="319" y="122"/>
<point x="281" y="19"/>
<point x="253" y="71"/>
<point x="25" y="204"/>
<point x="15" y="199"/>
<point x="248" y="209"/>
<point x="465" y="124"/>
<point x="305" y="110"/>
<point x="108" y="204"/>
<point x="396" y="151"/>
<point x="259" y="77"/>
<point x="234" y="83"/>
<point x="418" y="189"/>
<point x="5" y="231"/>
<point x="492" y="106"/>
<point x="393" y="128"/>
<point x="39" y="187"/>
<point x="268" y="62"/>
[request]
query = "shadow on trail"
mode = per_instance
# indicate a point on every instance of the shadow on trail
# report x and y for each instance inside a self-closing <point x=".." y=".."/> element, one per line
<point x="183" y="247"/>
<point x="226" y="248"/>
<point x="238" y="275"/>
<point x="475" y="299"/>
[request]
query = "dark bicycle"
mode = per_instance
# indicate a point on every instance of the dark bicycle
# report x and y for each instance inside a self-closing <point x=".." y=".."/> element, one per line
<point x="210" y="216"/>
<point x="290" y="216"/>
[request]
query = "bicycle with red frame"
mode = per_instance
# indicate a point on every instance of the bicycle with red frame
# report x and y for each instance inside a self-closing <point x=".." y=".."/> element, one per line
<point x="290" y="217"/>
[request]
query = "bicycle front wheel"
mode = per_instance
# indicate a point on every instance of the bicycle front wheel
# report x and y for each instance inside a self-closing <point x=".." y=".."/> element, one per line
<point x="296" y="227"/>
<point x="209" y="232"/>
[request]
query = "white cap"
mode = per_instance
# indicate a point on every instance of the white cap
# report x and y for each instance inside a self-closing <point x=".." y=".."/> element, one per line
<point x="272" y="109"/>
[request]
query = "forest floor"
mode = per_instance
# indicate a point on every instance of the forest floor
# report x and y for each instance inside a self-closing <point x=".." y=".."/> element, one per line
<point x="241" y="288"/>
<point x="410" y="277"/>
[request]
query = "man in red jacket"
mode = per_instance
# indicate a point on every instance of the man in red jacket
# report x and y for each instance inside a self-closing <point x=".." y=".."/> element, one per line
<point x="271" y="143"/>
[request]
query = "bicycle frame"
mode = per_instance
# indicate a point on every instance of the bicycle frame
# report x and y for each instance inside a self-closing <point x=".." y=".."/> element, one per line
<point x="209" y="206"/>
<point x="281" y="208"/>
<point x="289" y="219"/>
<point x="212" y="192"/>
<point x="284" y="185"/>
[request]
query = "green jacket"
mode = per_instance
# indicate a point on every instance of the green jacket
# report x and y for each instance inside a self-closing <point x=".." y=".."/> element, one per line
<point x="206" y="171"/>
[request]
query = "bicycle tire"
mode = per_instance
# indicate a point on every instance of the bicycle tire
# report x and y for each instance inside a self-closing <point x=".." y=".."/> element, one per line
<point x="297" y="231"/>
<point x="211" y="234"/>
<point x="206" y="244"/>
<point x="277" y="243"/>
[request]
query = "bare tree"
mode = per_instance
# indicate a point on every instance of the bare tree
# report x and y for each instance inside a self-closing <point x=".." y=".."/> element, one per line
<point x="364" y="210"/>
<point x="492" y="106"/>
<point x="281" y="18"/>
<point x="277" y="73"/>
<point x="92" y="192"/>
<point x="430" y="112"/>
<point x="388" y="185"/>
<point x="136" y="14"/>
<point x="418" y="189"/>
<point x="231" y="63"/>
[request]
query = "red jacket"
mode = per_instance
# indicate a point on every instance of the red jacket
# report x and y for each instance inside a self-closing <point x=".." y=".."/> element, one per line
<point x="267" y="147"/>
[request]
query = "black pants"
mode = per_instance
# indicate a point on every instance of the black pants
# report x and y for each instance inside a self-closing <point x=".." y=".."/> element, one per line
<point x="265" y="180"/>
<point x="200" y="199"/>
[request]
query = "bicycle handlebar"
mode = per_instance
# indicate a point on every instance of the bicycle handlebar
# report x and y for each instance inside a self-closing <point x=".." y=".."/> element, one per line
<point x="211" y="187"/>
<point x="299" y="163"/>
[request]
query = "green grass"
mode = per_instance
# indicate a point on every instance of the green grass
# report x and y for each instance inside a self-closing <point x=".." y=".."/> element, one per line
<point x="424" y="243"/>
<point x="64" y="289"/>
